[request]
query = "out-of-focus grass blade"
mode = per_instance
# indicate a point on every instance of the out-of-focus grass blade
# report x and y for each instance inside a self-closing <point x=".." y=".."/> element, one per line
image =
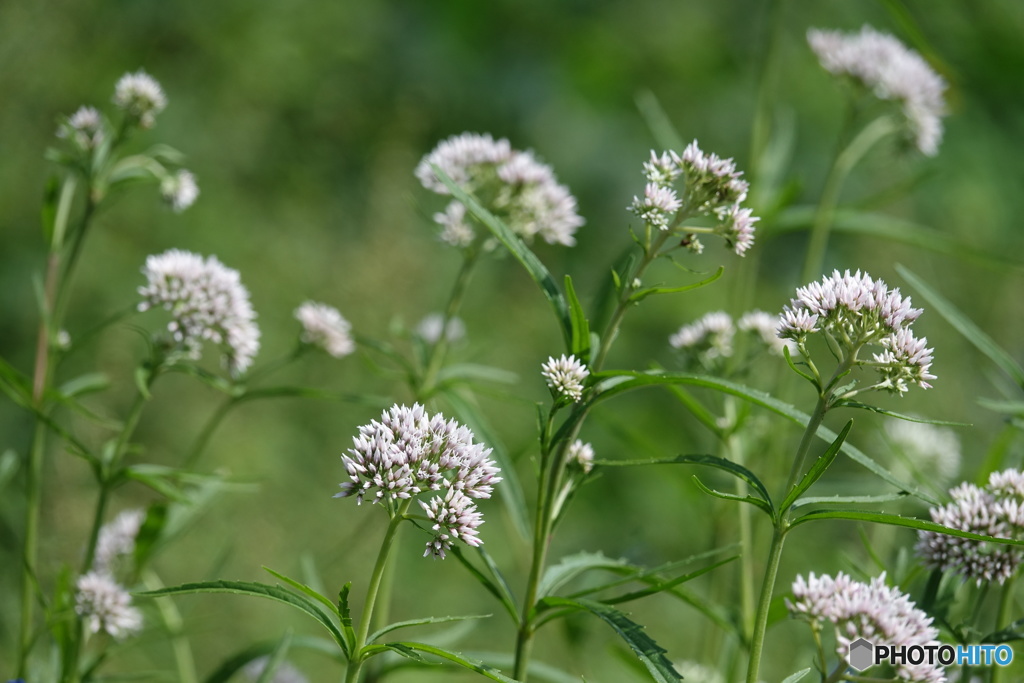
<point x="965" y="326"/>
<point x="665" y="134"/>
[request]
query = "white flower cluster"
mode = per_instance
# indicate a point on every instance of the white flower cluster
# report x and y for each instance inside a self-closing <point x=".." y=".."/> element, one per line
<point x="324" y="327"/>
<point x="874" y="611"/>
<point x="180" y="190"/>
<point x="925" y="450"/>
<point x="713" y="187"/>
<point x="892" y="72"/>
<point x="207" y="301"/>
<point x="854" y="311"/>
<point x="431" y="327"/>
<point x="84" y="128"/>
<point x="565" y="377"/>
<point x="106" y="606"/>
<point x="710" y="338"/>
<point x="409" y="452"/>
<point x="581" y="455"/>
<point x="508" y="182"/>
<point x="995" y="510"/>
<point x="141" y="97"/>
<point x="117" y="540"/>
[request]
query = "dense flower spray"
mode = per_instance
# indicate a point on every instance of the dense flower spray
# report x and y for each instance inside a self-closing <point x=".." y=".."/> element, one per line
<point x="565" y="377"/>
<point x="324" y="327"/>
<point x="106" y="606"/>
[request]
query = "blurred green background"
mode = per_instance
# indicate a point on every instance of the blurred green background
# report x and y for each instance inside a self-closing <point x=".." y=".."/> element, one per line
<point x="303" y="120"/>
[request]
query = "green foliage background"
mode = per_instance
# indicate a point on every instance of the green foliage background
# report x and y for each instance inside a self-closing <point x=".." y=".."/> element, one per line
<point x="303" y="120"/>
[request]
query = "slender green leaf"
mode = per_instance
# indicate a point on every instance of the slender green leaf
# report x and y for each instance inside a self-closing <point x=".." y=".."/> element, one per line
<point x="612" y="383"/>
<point x="471" y="372"/>
<point x="1004" y="407"/>
<point x="658" y="122"/>
<point x="662" y="586"/>
<point x="756" y="502"/>
<point x="156" y="479"/>
<point x="798" y="676"/>
<point x="647" y="651"/>
<point x="409" y="649"/>
<point x="538" y="671"/>
<point x="518" y="248"/>
<point x="8" y="467"/>
<point x="85" y="384"/>
<point x="845" y="500"/>
<point x="236" y="662"/>
<point x="276" y="659"/>
<point x="495" y="587"/>
<point x="420" y="622"/>
<point x="650" y="575"/>
<point x="344" y="613"/>
<point x="1014" y="631"/>
<point x="965" y="326"/>
<point x="898" y="520"/>
<point x="818" y="468"/>
<point x="723" y="464"/>
<point x="697" y="409"/>
<point x="580" y="342"/>
<point x="306" y="590"/>
<point x="900" y="416"/>
<point x="511" y="490"/>
<point x="644" y="293"/>
<point x="149" y="534"/>
<point x="260" y="590"/>
<point x="571" y="566"/>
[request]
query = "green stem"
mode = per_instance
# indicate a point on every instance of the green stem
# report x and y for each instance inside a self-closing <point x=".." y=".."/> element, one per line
<point x="440" y="348"/>
<point x="844" y="163"/>
<point x="767" y="588"/>
<point x="734" y="448"/>
<point x="810" y="433"/>
<point x="29" y="577"/>
<point x="199" y="445"/>
<point x="356" y="663"/>
<point x="1002" y="617"/>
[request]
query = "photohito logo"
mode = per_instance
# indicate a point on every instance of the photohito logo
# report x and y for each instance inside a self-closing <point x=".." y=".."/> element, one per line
<point x="864" y="654"/>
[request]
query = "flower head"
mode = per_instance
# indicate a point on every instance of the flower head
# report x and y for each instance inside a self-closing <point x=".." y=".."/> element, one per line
<point x="873" y="611"/>
<point x="207" y="302"/>
<point x="433" y="325"/>
<point x="565" y="377"/>
<point x="855" y="311"/>
<point x="106" y="606"/>
<point x="581" y="455"/>
<point x="117" y="540"/>
<point x="995" y="510"/>
<point x="712" y="187"/>
<point x="762" y="325"/>
<point x="180" y="190"/>
<point x="324" y="327"/>
<point x="709" y="338"/>
<point x="892" y="72"/>
<point x="141" y="97"/>
<point x="84" y="128"/>
<point x="410" y="452"/>
<point x="511" y="183"/>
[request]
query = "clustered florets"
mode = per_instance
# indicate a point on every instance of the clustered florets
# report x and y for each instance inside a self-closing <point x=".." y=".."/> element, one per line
<point x="180" y="190"/>
<point x="117" y="540"/>
<point x="99" y="599"/>
<point x="207" y="301"/>
<point x="713" y="187"/>
<point x="324" y="327"/>
<point x="995" y="510"/>
<point x="514" y="184"/>
<point x="431" y="327"/>
<point x="892" y="72"/>
<point x="710" y="338"/>
<point x="84" y="128"/>
<point x="581" y="455"/>
<point x="565" y="376"/>
<point x="410" y="452"/>
<point x="853" y="311"/>
<point x="873" y="611"/>
<point x="140" y="96"/>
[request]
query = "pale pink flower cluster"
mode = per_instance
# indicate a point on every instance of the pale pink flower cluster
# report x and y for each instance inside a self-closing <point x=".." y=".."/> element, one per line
<point x="509" y="182"/>
<point x="324" y="327"/>
<point x="180" y="190"/>
<point x="712" y="187"/>
<point x="84" y="128"/>
<point x="207" y="302"/>
<point x="411" y="452"/>
<point x="105" y="606"/>
<point x="892" y="72"/>
<point x="141" y="97"/>
<point x="117" y="540"/>
<point x="873" y="611"/>
<point x="855" y="310"/>
<point x="711" y="338"/>
<point x="565" y="376"/>
<point x="995" y="510"/>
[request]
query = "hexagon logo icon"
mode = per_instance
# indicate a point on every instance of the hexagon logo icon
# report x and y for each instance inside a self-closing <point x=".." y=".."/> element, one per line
<point x="862" y="654"/>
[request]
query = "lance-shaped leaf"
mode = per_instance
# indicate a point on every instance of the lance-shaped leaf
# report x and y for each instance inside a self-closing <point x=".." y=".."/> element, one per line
<point x="580" y="336"/>
<point x="818" y="468"/>
<point x="899" y="416"/>
<point x="798" y="676"/>
<point x="237" y="661"/>
<point x="420" y="622"/>
<point x="537" y="271"/>
<point x="260" y="590"/>
<point x="411" y="650"/>
<point x="494" y="584"/>
<point x="647" y="651"/>
<point x="756" y="502"/>
<point x="644" y="293"/>
<point x="571" y="566"/>
<point x="898" y="520"/>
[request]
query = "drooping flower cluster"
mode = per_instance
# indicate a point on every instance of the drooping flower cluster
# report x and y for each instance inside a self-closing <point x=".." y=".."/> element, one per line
<point x="995" y="510"/>
<point x="141" y="97"/>
<point x="180" y="190"/>
<point x="710" y="339"/>
<point x="924" y="451"/>
<point x="565" y="376"/>
<point x="207" y="302"/>
<point x="892" y="72"/>
<point x="106" y="606"/>
<point x="324" y="327"/>
<point x="508" y="182"/>
<point x="854" y="311"/>
<point x="117" y="540"/>
<point x="411" y="452"/>
<point x="873" y="611"/>
<point x="84" y="128"/>
<point x="581" y="455"/>
<point x="712" y="187"/>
